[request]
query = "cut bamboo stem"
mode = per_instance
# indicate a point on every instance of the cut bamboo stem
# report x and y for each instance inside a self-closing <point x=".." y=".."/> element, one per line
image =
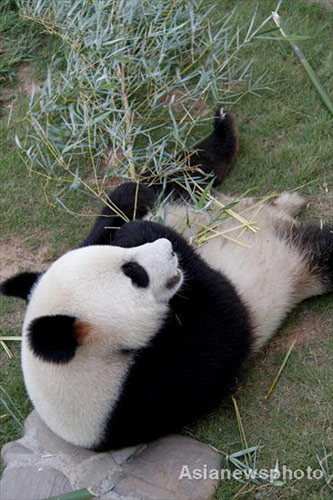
<point x="83" y="494"/>
<point x="306" y="65"/>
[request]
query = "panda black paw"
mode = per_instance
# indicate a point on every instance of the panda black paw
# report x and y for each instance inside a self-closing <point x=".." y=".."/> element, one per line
<point x="133" y="199"/>
<point x="127" y="202"/>
<point x="223" y="122"/>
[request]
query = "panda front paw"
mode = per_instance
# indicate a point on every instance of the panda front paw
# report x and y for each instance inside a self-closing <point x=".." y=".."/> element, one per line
<point x="223" y="121"/>
<point x="132" y="199"/>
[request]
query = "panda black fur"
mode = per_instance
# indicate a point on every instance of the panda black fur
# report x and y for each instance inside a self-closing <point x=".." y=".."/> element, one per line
<point x="193" y="360"/>
<point x="130" y="362"/>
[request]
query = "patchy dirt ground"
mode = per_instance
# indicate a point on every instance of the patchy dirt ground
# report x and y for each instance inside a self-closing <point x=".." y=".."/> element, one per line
<point x="25" y="80"/>
<point x="310" y="328"/>
<point x="25" y="83"/>
<point x="14" y="257"/>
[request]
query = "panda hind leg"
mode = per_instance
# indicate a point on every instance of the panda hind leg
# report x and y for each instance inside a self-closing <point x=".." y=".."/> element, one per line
<point x="315" y="244"/>
<point x="216" y="152"/>
<point x="289" y="203"/>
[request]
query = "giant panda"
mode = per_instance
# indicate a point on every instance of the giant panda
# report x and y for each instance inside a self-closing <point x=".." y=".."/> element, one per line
<point x="137" y="332"/>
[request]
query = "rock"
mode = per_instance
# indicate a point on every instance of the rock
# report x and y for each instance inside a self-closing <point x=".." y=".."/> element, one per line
<point x="126" y="454"/>
<point x="41" y="464"/>
<point x="13" y="450"/>
<point x="40" y="437"/>
<point x="92" y="472"/>
<point x="31" y="483"/>
<point x="134" y="488"/>
<point x="155" y="472"/>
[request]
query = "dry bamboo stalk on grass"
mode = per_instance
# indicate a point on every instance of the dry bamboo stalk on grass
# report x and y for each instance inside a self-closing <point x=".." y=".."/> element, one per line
<point x="271" y="389"/>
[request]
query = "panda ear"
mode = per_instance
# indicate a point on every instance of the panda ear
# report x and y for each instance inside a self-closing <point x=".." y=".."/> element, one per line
<point x="19" y="285"/>
<point x="56" y="338"/>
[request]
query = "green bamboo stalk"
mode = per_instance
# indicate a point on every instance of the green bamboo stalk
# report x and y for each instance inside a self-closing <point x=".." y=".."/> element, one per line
<point x="306" y="65"/>
<point x="84" y="494"/>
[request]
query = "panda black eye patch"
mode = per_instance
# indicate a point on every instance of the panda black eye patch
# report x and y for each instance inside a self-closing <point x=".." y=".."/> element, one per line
<point x="137" y="273"/>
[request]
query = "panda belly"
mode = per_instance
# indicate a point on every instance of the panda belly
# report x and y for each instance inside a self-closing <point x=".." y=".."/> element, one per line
<point x="263" y="275"/>
<point x="74" y="400"/>
<point x="262" y="266"/>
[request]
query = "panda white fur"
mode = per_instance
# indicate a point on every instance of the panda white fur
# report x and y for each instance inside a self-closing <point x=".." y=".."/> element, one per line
<point x="136" y="333"/>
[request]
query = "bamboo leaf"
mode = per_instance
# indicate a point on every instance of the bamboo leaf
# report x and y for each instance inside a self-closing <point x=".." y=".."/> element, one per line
<point x="204" y="195"/>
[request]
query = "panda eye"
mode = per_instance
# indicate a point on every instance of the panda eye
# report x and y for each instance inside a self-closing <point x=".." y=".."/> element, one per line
<point x="137" y="274"/>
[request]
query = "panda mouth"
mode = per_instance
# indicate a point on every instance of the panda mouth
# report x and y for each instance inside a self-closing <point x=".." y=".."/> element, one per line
<point x="174" y="280"/>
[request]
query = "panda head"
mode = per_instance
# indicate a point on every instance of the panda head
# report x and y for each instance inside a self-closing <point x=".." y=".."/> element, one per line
<point x="109" y="298"/>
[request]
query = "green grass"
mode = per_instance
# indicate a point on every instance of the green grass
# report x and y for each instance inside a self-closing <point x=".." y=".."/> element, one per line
<point x="28" y="214"/>
<point x="11" y="376"/>
<point x="18" y="42"/>
<point x="284" y="142"/>
<point x="285" y="136"/>
<point x="295" y="423"/>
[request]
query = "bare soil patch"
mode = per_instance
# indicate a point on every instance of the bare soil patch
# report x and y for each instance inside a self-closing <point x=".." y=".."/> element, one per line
<point x="14" y="257"/>
<point x="310" y="328"/>
<point x="25" y="80"/>
<point x="25" y="83"/>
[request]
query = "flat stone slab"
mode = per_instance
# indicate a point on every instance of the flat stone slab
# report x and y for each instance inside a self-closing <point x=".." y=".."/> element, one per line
<point x="41" y="464"/>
